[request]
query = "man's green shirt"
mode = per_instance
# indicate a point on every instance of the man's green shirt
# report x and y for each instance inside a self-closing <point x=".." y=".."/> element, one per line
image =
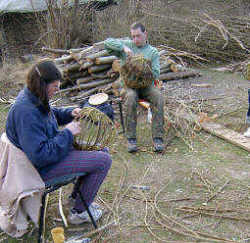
<point x="115" y="47"/>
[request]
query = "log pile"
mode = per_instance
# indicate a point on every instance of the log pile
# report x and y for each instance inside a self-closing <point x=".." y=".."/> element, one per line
<point x="85" y="71"/>
<point x="91" y="70"/>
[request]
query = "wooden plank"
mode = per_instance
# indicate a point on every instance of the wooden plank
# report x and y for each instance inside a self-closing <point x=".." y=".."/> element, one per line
<point x="227" y="134"/>
<point x="219" y="130"/>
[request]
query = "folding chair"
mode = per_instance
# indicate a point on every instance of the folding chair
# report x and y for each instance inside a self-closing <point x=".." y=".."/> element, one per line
<point x="52" y="187"/>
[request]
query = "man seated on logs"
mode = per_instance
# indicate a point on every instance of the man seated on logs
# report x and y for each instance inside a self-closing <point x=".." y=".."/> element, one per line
<point x="136" y="56"/>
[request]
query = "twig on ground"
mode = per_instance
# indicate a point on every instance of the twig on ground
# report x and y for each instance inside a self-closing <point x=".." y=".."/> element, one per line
<point x="216" y="193"/>
<point x="91" y="233"/>
<point x="61" y="208"/>
<point x="214" y="215"/>
<point x="194" y="234"/>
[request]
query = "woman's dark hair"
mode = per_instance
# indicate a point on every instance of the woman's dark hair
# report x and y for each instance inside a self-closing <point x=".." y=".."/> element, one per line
<point x="38" y="78"/>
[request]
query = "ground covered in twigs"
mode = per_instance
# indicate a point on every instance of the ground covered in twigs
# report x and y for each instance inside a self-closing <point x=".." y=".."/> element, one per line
<point x="198" y="190"/>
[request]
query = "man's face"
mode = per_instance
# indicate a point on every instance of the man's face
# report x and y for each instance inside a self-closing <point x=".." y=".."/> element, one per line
<point x="138" y="37"/>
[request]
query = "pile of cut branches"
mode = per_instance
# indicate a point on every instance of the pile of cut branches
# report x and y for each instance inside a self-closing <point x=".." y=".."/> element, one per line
<point x="92" y="69"/>
<point x="241" y="67"/>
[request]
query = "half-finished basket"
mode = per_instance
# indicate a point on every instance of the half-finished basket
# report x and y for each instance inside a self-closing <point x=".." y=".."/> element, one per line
<point x="137" y="72"/>
<point x="97" y="130"/>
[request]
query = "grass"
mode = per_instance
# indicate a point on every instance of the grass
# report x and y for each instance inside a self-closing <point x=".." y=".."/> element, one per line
<point x="189" y="189"/>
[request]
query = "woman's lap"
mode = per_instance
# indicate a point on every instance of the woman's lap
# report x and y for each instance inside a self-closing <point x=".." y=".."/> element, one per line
<point x="77" y="163"/>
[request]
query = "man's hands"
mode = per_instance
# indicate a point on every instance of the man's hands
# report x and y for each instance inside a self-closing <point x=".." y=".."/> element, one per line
<point x="128" y="51"/>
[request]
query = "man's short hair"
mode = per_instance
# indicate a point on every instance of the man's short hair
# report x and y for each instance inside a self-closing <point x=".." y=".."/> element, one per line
<point x="136" y="26"/>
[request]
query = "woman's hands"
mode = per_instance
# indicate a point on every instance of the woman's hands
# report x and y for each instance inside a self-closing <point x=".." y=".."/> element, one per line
<point x="74" y="127"/>
<point x="76" y="112"/>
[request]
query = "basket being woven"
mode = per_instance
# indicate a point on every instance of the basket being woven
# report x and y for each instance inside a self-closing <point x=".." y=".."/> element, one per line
<point x="97" y="130"/>
<point x="137" y="72"/>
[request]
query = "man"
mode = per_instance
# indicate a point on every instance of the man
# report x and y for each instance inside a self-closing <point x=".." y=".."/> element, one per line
<point x="139" y="45"/>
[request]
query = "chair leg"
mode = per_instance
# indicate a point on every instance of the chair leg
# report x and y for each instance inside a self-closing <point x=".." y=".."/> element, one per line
<point x="86" y="206"/>
<point x="121" y="116"/>
<point x="41" y="218"/>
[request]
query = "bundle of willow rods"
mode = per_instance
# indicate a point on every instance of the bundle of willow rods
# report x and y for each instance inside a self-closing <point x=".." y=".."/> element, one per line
<point x="92" y="69"/>
<point x="137" y="72"/>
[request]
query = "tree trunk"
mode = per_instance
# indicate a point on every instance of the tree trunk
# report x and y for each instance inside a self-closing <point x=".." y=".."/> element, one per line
<point x="178" y="75"/>
<point x="74" y="76"/>
<point x="55" y="51"/>
<point x="84" y="80"/>
<point x="99" y="68"/>
<point x="87" y="86"/>
<point x="62" y="60"/>
<point x="85" y="65"/>
<point x="72" y="68"/>
<point x="105" y="60"/>
<point x="92" y="57"/>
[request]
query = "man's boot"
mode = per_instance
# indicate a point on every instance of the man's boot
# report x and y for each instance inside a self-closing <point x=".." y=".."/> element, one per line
<point x="158" y="145"/>
<point x="132" y="147"/>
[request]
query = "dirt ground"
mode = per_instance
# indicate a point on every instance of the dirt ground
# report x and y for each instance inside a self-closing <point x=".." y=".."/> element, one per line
<point x="198" y="190"/>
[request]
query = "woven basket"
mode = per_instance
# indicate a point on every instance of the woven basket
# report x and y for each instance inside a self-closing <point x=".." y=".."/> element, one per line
<point x="97" y="130"/>
<point x="137" y="72"/>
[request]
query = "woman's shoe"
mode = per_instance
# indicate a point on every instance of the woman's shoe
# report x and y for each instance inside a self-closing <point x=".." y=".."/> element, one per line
<point x="79" y="218"/>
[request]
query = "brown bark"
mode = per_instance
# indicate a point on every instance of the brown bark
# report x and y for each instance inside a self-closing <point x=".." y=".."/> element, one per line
<point x="62" y="60"/>
<point x="84" y="94"/>
<point x="75" y="56"/>
<point x="96" y="55"/>
<point x="102" y="75"/>
<point x="99" y="68"/>
<point x="85" y="65"/>
<point x="86" y="86"/>
<point x="55" y="51"/>
<point x="84" y="80"/>
<point x="74" y="76"/>
<point x="77" y="50"/>
<point x="72" y="67"/>
<point x="86" y="50"/>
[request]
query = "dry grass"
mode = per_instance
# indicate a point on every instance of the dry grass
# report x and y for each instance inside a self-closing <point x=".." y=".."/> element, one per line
<point x="199" y="194"/>
<point x="215" y="30"/>
<point x="65" y="27"/>
<point x="211" y="29"/>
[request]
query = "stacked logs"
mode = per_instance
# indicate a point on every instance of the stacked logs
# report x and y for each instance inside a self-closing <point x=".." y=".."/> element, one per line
<point x="171" y="70"/>
<point x="85" y="71"/>
<point x="92" y="69"/>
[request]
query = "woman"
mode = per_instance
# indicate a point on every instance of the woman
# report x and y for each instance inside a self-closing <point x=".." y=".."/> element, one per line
<point x="32" y="126"/>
